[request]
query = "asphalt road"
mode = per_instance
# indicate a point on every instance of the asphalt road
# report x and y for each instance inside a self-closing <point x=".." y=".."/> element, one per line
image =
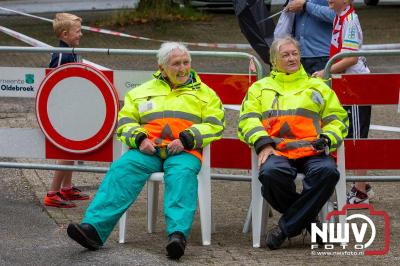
<point x="33" y="235"/>
<point x="30" y="237"/>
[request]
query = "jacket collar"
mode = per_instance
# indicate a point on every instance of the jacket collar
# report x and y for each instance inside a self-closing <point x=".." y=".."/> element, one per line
<point x="281" y="77"/>
<point x="63" y="44"/>
<point x="193" y="82"/>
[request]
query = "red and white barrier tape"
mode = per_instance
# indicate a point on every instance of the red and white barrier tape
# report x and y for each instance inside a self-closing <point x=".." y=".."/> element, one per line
<point x="23" y="37"/>
<point x="36" y="43"/>
<point x="120" y="34"/>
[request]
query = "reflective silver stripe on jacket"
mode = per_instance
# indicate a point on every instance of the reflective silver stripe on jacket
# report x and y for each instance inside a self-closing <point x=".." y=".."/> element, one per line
<point x="251" y="132"/>
<point x="170" y="114"/>
<point x="250" y="115"/>
<point x="213" y="120"/>
<point x="316" y="118"/>
<point x="125" y="120"/>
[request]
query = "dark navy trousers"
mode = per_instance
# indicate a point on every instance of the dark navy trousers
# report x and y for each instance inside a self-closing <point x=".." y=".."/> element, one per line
<point x="277" y="176"/>
<point x="312" y="64"/>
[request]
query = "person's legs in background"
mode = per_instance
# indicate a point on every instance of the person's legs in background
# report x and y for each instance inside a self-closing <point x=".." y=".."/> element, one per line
<point x="359" y="122"/>
<point x="62" y="191"/>
<point x="68" y="190"/>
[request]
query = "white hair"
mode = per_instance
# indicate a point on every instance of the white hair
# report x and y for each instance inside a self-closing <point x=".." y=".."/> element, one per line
<point x="166" y="49"/>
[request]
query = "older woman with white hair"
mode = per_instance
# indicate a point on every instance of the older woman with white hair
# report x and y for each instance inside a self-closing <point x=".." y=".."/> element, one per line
<point x="293" y="121"/>
<point x="165" y="122"/>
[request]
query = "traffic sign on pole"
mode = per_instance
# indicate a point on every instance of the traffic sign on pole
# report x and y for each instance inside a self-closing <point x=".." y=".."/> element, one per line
<point x="77" y="108"/>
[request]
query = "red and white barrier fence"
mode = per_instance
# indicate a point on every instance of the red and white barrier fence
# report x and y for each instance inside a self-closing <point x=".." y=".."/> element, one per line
<point x="81" y="127"/>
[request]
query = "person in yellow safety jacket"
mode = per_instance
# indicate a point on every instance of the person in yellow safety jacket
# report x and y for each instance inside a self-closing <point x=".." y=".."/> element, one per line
<point x="191" y="113"/>
<point x="165" y="122"/>
<point x="293" y="121"/>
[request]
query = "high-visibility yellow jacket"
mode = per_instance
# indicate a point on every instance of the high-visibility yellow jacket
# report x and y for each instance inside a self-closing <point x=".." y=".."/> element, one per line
<point x="191" y="112"/>
<point x="290" y="112"/>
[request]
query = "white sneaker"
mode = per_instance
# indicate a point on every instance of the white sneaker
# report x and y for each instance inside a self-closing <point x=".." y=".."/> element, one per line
<point x="357" y="197"/>
<point x="370" y="191"/>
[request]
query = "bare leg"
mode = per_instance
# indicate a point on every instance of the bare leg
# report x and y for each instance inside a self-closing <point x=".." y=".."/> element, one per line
<point x="62" y="178"/>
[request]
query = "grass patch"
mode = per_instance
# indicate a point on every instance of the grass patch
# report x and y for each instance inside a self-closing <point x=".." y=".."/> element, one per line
<point x="168" y="13"/>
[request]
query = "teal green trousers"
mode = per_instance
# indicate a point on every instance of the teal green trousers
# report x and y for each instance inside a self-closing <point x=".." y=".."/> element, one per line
<point x="126" y="178"/>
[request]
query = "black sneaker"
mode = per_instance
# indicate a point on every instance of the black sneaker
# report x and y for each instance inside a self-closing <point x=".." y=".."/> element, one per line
<point x="176" y="245"/>
<point x="275" y="238"/>
<point x="85" y="235"/>
<point x="319" y="225"/>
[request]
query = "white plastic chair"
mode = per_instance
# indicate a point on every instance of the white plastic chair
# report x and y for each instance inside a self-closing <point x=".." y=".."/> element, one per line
<point x="204" y="195"/>
<point x="259" y="208"/>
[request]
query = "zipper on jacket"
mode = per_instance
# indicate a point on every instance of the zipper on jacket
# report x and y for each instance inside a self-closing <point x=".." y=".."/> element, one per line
<point x="274" y="102"/>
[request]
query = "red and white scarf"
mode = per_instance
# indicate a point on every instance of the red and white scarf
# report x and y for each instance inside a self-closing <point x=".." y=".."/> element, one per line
<point x="337" y="40"/>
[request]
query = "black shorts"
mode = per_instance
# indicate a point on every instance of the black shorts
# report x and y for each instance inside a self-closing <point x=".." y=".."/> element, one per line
<point x="359" y="121"/>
